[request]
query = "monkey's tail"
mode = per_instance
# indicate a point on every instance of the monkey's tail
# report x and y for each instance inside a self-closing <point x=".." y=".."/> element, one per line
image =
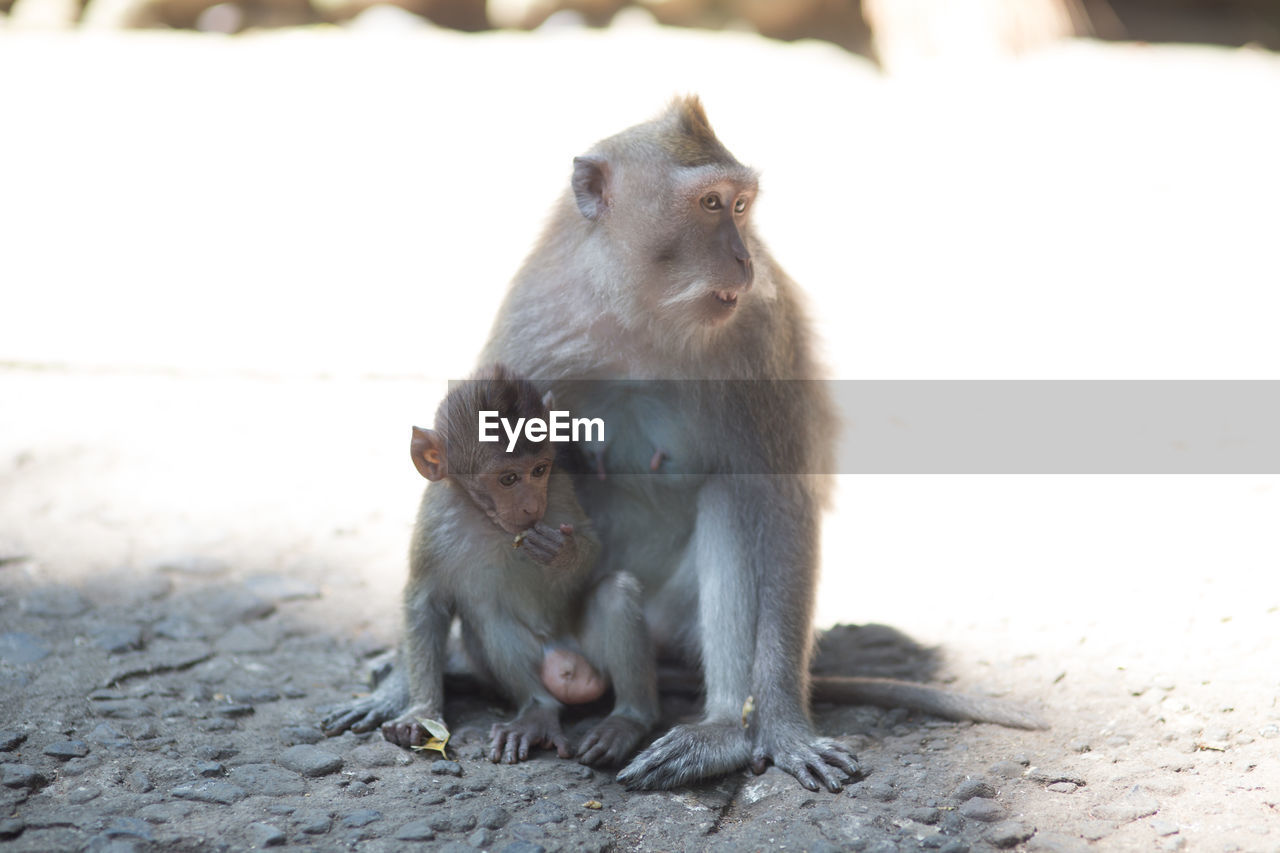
<point x="891" y="693"/>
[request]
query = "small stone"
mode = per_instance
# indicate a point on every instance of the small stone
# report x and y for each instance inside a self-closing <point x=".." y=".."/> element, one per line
<point x="118" y="639"/>
<point x="927" y="816"/>
<point x="233" y="710"/>
<point x="1135" y="804"/>
<point x="11" y="828"/>
<point x="584" y="773"/>
<point x="215" y="751"/>
<point x="19" y="647"/>
<point x="481" y="838"/>
<point x="1164" y="827"/>
<point x="1062" y="787"/>
<point x="210" y="770"/>
<point x="138" y="782"/>
<point x="881" y="792"/>
<point x="11" y="739"/>
<point x="364" y="817"/>
<point x="282" y="809"/>
<point x="593" y="823"/>
<point x="1270" y="730"/>
<point x="1054" y="842"/>
<point x="549" y="812"/>
<point x="268" y="780"/>
<point x="217" y="724"/>
<point x="21" y="776"/>
<point x="446" y="768"/>
<point x="59" y="602"/>
<point x="210" y="791"/>
<point x="1080" y="746"/>
<point x="177" y="628"/>
<point x="76" y="766"/>
<point x="380" y="753"/>
<point x="987" y="811"/>
<point x="954" y="845"/>
<point x="310" y="760"/>
<point x="973" y="787"/>
<point x="265" y="835"/>
<point x="1007" y="769"/>
<point x="144" y="730"/>
<point x="294" y="735"/>
<point x="122" y="709"/>
<point x="416" y="830"/>
<point x="359" y="789"/>
<point x="67" y="749"/>
<point x="494" y="817"/>
<point x="83" y="794"/>
<point x="1010" y="833"/>
<point x="313" y="822"/>
<point x="453" y="822"/>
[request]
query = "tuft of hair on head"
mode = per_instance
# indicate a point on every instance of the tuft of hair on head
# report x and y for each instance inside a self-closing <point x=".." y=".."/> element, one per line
<point x="693" y="142"/>
<point x="494" y="388"/>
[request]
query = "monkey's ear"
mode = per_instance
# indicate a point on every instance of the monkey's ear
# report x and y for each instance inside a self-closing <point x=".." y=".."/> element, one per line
<point x="427" y="450"/>
<point x="548" y="401"/>
<point x="590" y="185"/>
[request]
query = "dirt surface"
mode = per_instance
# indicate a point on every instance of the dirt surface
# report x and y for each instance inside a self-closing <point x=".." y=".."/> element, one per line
<point x="242" y="268"/>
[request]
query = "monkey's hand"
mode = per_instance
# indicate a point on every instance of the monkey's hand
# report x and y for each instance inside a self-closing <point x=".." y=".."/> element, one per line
<point x="552" y="546"/>
<point x="797" y="749"/>
<point x="687" y="754"/>
<point x="537" y="725"/>
<point x="406" y="731"/>
<point x="362" y="715"/>
<point x="611" y="741"/>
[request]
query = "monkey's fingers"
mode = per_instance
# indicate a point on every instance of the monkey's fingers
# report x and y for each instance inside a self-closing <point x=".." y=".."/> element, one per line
<point x="561" y="745"/>
<point x="404" y="734"/>
<point x="808" y="763"/>
<point x="566" y="529"/>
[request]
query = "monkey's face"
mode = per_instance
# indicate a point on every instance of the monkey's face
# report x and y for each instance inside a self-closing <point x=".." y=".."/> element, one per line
<point x="512" y="491"/>
<point x="714" y="267"/>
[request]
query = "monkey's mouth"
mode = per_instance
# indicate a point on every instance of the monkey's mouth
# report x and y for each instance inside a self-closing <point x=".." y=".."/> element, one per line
<point x="726" y="298"/>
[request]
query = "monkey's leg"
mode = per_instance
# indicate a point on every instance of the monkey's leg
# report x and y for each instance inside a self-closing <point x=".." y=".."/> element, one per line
<point x="512" y="655"/>
<point x="426" y="623"/>
<point x="726" y="615"/>
<point x="785" y="566"/>
<point x="615" y="636"/>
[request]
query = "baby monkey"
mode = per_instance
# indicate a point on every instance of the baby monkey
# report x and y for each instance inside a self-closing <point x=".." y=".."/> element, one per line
<point x="502" y="543"/>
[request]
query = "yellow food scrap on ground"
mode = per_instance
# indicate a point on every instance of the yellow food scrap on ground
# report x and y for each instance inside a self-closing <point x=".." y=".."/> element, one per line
<point x="439" y="736"/>
<point x="593" y="804"/>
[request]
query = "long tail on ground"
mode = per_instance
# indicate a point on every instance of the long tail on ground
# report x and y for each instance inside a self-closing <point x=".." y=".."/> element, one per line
<point x="891" y="693"/>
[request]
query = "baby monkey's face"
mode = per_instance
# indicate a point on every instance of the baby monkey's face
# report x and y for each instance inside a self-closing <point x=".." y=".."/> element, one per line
<point x="513" y="490"/>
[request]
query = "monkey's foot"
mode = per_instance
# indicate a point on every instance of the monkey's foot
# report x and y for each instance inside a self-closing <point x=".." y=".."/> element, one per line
<point x="809" y="758"/>
<point x="611" y="741"/>
<point x="537" y="726"/>
<point x="687" y="754"/>
<point x="362" y="715"/>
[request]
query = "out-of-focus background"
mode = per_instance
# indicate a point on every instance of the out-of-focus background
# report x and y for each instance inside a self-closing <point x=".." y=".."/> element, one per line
<point x="243" y="245"/>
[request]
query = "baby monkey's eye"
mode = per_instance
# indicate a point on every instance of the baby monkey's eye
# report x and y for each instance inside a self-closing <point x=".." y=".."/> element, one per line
<point x="711" y="201"/>
<point x="740" y="206"/>
<point x="509" y="478"/>
<point x="540" y="470"/>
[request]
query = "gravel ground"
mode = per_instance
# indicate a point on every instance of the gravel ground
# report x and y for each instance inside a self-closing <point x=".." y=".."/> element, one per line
<point x="229" y="277"/>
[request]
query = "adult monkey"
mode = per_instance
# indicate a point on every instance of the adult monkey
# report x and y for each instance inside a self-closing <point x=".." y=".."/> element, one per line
<point x="651" y="270"/>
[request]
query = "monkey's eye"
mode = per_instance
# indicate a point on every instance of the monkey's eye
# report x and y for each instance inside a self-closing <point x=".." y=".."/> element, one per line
<point x="740" y="206"/>
<point x="711" y="201"/>
<point x="509" y="478"/>
<point x="540" y="470"/>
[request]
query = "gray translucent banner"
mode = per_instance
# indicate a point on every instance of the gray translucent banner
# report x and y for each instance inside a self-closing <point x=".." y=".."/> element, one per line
<point x="1059" y="427"/>
<point x="705" y="427"/>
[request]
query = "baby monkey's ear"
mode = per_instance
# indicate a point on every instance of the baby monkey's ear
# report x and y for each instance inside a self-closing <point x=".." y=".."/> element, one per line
<point x="427" y="450"/>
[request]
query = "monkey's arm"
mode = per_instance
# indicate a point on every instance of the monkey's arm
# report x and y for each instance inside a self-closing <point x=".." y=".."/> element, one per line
<point x="428" y="614"/>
